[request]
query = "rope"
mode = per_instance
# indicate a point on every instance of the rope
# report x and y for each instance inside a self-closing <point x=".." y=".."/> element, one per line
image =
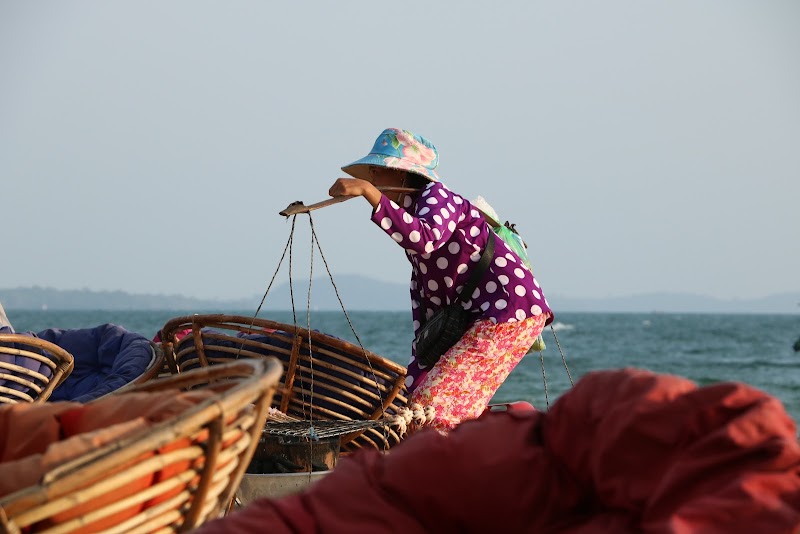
<point x="308" y="423"/>
<point x="280" y="423"/>
<point x="544" y="379"/>
<point x="263" y="298"/>
<point x="323" y="429"/>
<point x="311" y="432"/>
<point x="544" y="373"/>
<point x="347" y="316"/>
<point x="563" y="359"/>
<point x="273" y="414"/>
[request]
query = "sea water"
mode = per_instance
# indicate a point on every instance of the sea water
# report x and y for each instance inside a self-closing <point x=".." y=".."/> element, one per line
<point x="706" y="348"/>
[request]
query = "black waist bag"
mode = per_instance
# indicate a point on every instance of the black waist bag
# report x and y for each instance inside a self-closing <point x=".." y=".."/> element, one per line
<point x="441" y="332"/>
<point x="449" y="323"/>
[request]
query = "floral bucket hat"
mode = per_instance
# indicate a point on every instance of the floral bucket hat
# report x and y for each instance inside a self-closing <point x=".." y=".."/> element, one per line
<point x="399" y="149"/>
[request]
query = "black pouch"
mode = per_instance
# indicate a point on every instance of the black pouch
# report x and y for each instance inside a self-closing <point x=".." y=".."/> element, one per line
<point x="448" y="324"/>
<point x="441" y="332"/>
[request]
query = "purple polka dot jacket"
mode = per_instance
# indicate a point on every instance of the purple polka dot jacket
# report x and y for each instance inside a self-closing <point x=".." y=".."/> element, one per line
<point x="443" y="236"/>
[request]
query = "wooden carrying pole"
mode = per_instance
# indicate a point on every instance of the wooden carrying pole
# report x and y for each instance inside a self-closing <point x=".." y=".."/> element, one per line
<point x="298" y="207"/>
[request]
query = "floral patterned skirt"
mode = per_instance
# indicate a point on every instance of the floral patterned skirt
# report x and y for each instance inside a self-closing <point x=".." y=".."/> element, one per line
<point x="465" y="378"/>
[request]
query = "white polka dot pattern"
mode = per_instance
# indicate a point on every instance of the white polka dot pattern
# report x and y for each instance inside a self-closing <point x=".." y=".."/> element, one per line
<point x="443" y="236"/>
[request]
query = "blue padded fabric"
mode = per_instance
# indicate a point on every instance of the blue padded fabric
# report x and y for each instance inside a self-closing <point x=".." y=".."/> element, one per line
<point x="106" y="358"/>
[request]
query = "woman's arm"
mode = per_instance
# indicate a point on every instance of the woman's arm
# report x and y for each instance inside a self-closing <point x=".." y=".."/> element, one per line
<point x="431" y="225"/>
<point x="427" y="230"/>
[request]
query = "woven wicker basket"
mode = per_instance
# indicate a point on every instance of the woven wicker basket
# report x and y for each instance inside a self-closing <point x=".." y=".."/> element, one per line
<point x="341" y="382"/>
<point x="54" y="365"/>
<point x="194" y="461"/>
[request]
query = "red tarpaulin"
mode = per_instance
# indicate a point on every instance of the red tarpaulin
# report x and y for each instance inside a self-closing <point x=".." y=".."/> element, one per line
<point x="623" y="451"/>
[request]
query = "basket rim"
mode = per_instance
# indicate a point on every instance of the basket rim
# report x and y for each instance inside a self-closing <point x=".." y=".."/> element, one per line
<point x="227" y="320"/>
<point x="258" y="379"/>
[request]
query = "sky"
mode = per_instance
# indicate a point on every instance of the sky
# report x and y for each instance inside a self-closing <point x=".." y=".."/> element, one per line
<point x="639" y="147"/>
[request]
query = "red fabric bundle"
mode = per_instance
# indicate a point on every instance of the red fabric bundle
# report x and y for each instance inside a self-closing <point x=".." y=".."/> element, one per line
<point x="623" y="451"/>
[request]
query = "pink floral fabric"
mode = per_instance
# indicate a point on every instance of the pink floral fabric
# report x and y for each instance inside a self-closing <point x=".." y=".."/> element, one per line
<point x="463" y="381"/>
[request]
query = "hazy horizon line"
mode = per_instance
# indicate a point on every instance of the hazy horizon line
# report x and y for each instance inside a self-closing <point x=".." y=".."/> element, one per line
<point x="254" y="295"/>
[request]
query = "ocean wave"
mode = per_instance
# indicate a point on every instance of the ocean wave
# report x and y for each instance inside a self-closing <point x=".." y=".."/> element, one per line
<point x="769" y="363"/>
<point x="562" y="326"/>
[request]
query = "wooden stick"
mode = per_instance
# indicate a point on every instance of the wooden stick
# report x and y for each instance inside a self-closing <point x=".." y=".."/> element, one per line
<point x="298" y="207"/>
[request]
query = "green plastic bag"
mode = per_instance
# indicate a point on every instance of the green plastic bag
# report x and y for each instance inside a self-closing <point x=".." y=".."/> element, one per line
<point x="514" y="242"/>
<point x="538" y="345"/>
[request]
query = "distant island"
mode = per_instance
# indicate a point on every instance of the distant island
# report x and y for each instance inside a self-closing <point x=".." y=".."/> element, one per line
<point x="363" y="293"/>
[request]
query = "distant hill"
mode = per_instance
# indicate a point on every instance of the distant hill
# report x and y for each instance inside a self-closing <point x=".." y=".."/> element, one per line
<point x="36" y="298"/>
<point x="362" y="293"/>
<point x="356" y="292"/>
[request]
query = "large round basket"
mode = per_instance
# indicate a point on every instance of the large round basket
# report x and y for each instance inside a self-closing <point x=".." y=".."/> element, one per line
<point x="325" y="378"/>
<point x="194" y="460"/>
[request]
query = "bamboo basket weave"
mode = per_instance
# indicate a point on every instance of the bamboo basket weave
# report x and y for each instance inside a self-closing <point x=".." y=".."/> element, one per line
<point x="198" y="459"/>
<point x="341" y="382"/>
<point x="37" y="386"/>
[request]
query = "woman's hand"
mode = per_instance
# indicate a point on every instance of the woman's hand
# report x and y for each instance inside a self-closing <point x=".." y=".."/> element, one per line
<point x="355" y="187"/>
